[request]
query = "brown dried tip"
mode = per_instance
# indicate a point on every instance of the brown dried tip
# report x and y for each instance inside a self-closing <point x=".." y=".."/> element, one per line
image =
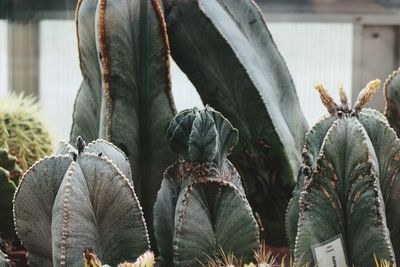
<point x="326" y="98"/>
<point x="342" y="93"/>
<point x="90" y="259"/>
<point x="366" y="94"/>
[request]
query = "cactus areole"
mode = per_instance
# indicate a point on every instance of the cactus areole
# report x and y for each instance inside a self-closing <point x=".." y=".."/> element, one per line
<point x="348" y="184"/>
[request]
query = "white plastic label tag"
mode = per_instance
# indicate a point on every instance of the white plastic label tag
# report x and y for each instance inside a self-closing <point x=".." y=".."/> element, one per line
<point x="330" y="253"/>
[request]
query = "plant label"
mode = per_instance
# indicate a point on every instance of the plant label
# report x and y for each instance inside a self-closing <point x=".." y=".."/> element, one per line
<point x="330" y="253"/>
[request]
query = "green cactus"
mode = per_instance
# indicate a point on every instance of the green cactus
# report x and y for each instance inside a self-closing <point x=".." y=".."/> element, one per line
<point x="22" y="131"/>
<point x="238" y="70"/>
<point x="125" y="94"/>
<point x="392" y="98"/>
<point x="9" y="178"/>
<point x="85" y="198"/>
<point x="201" y="206"/>
<point x="348" y="180"/>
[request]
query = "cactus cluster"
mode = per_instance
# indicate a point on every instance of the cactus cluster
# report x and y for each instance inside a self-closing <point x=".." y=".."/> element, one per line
<point x="201" y="207"/>
<point x="348" y="184"/>
<point x="10" y="174"/>
<point x="22" y="131"/>
<point x="80" y="198"/>
<point x="239" y="71"/>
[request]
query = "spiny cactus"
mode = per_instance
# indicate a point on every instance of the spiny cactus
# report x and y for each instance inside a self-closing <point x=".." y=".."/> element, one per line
<point x="85" y="198"/>
<point x="256" y="93"/>
<point x="145" y="260"/>
<point x="201" y="205"/>
<point x="125" y="93"/>
<point x="22" y="131"/>
<point x="9" y="178"/>
<point x="392" y="98"/>
<point x="351" y="162"/>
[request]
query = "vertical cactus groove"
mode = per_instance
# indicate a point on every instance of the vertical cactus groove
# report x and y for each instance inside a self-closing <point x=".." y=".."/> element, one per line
<point x="201" y="207"/>
<point x="80" y="199"/>
<point x="254" y="93"/>
<point x="348" y="180"/>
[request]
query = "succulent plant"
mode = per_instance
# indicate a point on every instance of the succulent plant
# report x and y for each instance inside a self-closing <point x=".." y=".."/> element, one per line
<point x="80" y="199"/>
<point x="392" y="98"/>
<point x="348" y="184"/>
<point x="201" y="206"/>
<point x="125" y="96"/>
<point x="22" y="131"/>
<point x="256" y="93"/>
<point x="9" y="178"/>
<point x="145" y="260"/>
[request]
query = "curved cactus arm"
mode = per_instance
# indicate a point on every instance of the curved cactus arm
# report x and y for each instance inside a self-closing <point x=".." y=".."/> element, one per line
<point x="107" y="149"/>
<point x="164" y="214"/>
<point x="387" y="149"/>
<point x="313" y="143"/>
<point x="87" y="105"/>
<point x="338" y="199"/>
<point x="33" y="203"/>
<point x="392" y="98"/>
<point x="134" y="53"/>
<point x="118" y="206"/>
<point x="254" y="93"/>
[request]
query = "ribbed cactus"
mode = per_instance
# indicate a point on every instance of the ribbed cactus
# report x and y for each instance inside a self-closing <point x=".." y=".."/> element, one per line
<point x="392" y="97"/>
<point x="201" y="207"/>
<point x="9" y="178"/>
<point x="22" y="131"/>
<point x="81" y="199"/>
<point x="226" y="50"/>
<point x="125" y="94"/>
<point x="349" y="178"/>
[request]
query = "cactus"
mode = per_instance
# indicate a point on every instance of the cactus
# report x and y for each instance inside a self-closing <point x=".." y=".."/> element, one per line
<point x="348" y="179"/>
<point x="125" y="94"/>
<point x="145" y="260"/>
<point x="256" y="93"/>
<point x="22" y="131"/>
<point x="81" y="199"/>
<point x="9" y="178"/>
<point x="201" y="206"/>
<point x="392" y="98"/>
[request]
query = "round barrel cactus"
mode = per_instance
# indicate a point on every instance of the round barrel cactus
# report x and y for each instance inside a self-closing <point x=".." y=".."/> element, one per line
<point x="22" y="131"/>
<point x="201" y="207"/>
<point x="348" y="184"/>
<point x="77" y="199"/>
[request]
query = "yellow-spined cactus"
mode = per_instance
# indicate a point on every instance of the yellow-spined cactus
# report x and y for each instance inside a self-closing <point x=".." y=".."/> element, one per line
<point x="22" y="131"/>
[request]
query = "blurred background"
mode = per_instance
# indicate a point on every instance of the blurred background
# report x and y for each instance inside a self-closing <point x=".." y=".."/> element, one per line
<point x="327" y="41"/>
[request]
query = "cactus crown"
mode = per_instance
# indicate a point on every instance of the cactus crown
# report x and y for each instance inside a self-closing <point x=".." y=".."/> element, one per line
<point x="344" y="110"/>
<point x="202" y="136"/>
